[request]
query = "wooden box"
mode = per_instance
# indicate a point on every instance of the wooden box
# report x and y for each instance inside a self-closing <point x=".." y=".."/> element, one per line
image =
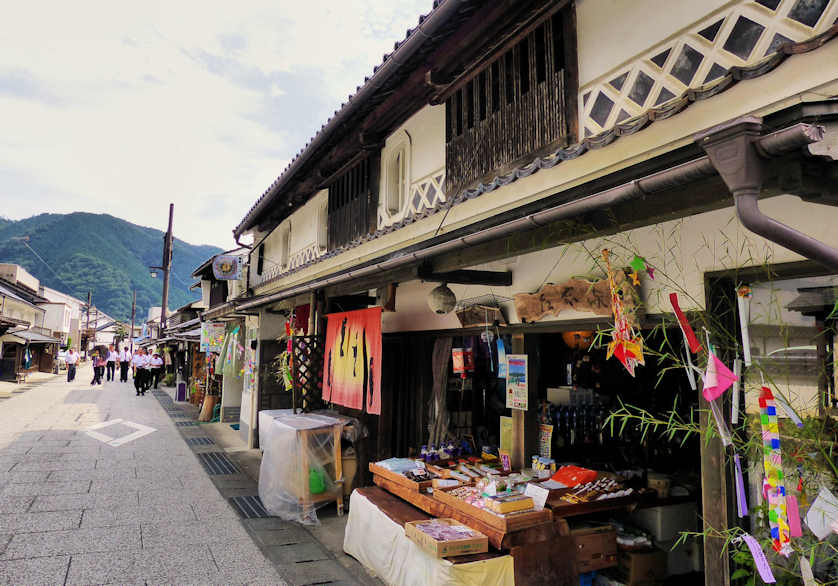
<point x="441" y="549"/>
<point x="642" y="567"/>
<point x="506" y="523"/>
<point x="595" y="548"/>
<point x="399" y="478"/>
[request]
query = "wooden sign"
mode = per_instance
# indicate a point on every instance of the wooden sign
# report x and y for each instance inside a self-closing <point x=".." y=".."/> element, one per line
<point x="577" y="294"/>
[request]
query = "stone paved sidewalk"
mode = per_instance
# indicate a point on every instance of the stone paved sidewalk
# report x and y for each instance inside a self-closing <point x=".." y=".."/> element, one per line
<point x="76" y="510"/>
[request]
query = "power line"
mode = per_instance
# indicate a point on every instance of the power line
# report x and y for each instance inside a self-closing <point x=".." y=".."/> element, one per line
<point x="26" y="244"/>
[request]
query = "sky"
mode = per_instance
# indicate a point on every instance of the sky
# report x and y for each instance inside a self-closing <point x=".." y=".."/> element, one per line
<point x="123" y="107"/>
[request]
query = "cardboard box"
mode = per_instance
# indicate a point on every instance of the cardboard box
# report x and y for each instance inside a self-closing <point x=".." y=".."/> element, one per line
<point x="478" y="543"/>
<point x="644" y="568"/>
<point x="595" y="548"/>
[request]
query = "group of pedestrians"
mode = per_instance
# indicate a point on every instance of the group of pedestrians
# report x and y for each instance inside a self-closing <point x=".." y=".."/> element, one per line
<point x="148" y="367"/>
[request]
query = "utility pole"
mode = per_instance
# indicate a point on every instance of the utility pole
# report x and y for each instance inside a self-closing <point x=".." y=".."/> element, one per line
<point x="133" y="311"/>
<point x="87" y="326"/>
<point x="167" y="266"/>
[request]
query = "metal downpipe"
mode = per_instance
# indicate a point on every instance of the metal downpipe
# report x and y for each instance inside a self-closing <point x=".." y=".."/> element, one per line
<point x="748" y="212"/>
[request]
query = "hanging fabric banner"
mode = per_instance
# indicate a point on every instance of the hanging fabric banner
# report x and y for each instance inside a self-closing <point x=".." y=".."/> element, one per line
<point x="687" y="330"/>
<point x="352" y="366"/>
<point x="743" y="301"/>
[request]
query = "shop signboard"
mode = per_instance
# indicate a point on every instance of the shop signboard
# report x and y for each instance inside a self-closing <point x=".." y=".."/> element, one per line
<point x="212" y="336"/>
<point x="516" y="382"/>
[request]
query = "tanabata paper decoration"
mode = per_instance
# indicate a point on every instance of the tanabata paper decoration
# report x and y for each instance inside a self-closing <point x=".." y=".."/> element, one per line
<point x="822" y="514"/>
<point x="741" y="500"/>
<point x="717" y="379"/>
<point x="626" y="345"/>
<point x="734" y="401"/>
<point x="806" y="572"/>
<point x="639" y="264"/>
<point x="724" y="432"/>
<point x="352" y="371"/>
<point x="687" y="330"/>
<point x="635" y="280"/>
<point x="502" y="365"/>
<point x="790" y="413"/>
<point x="760" y="560"/>
<point x="743" y="301"/>
<point x="795" y="530"/>
<point x="773" y="464"/>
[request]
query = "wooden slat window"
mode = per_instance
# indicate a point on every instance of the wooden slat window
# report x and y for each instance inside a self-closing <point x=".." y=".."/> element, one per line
<point x="353" y="198"/>
<point x="512" y="108"/>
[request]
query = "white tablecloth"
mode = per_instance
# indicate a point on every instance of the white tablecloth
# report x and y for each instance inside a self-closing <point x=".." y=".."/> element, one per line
<point x="379" y="543"/>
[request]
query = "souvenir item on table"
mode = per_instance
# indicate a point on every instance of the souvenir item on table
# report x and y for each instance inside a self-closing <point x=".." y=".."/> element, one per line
<point x="601" y="489"/>
<point x="773" y="465"/>
<point x="509" y="503"/>
<point x="571" y="476"/>
<point x="398" y="465"/>
<point x="625" y="344"/>
<point x="743" y="301"/>
<point x="442" y="531"/>
<point x="419" y="475"/>
<point x="469" y="494"/>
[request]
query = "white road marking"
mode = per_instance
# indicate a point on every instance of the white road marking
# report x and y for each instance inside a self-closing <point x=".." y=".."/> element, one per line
<point x="142" y="430"/>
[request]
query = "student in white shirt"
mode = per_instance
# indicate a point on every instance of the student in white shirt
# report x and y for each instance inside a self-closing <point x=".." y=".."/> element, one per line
<point x="139" y="361"/>
<point x="156" y="363"/>
<point x="124" y="363"/>
<point x="72" y="359"/>
<point x="111" y="363"/>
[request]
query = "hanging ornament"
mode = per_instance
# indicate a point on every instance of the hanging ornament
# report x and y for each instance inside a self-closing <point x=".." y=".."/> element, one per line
<point x="638" y="263"/>
<point x="625" y="343"/>
<point x="773" y="464"/>
<point x="651" y="272"/>
<point x="635" y="280"/>
<point x="743" y="301"/>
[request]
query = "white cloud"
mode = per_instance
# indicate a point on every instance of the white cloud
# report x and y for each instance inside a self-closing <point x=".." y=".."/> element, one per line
<point x="122" y="107"/>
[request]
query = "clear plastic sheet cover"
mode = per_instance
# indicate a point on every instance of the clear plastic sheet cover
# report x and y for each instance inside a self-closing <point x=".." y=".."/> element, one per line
<point x="297" y="474"/>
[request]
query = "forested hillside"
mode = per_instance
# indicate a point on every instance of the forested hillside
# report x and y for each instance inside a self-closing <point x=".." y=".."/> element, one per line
<point x="103" y="254"/>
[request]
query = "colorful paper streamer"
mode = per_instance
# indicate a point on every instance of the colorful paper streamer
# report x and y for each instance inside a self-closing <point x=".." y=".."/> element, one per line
<point x="717" y="379"/>
<point x="760" y="560"/>
<point x="806" y="572"/>
<point x="724" y="432"/>
<point x="773" y="465"/>
<point x="795" y="530"/>
<point x="743" y="301"/>
<point x="741" y="501"/>
<point x="687" y="330"/>
<point x="737" y="385"/>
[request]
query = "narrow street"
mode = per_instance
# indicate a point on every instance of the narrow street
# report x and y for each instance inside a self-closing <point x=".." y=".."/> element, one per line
<point x="139" y="509"/>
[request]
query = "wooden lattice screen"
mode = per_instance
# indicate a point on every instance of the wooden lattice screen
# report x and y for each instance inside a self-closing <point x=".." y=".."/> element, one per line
<point x="307" y="371"/>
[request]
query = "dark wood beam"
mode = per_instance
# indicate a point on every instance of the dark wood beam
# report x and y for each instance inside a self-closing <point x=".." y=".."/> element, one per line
<point x="467" y="277"/>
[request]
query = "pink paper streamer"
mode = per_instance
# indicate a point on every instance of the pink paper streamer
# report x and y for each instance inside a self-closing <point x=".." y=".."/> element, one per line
<point x="759" y="559"/>
<point x="793" y="511"/>
<point x="741" y="501"/>
<point x="717" y="379"/>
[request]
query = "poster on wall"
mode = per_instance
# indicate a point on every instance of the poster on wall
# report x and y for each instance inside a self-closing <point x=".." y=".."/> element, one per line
<point x="212" y="336"/>
<point x="516" y="382"/>
<point x="352" y="360"/>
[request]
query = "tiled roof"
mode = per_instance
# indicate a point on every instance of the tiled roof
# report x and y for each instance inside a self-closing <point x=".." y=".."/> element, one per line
<point x="598" y="141"/>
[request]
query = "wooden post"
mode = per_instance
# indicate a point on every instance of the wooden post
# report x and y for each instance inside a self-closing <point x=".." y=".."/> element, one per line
<point x="517" y="457"/>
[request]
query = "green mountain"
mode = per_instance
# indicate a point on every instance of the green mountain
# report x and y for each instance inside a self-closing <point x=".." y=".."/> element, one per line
<point x="83" y="252"/>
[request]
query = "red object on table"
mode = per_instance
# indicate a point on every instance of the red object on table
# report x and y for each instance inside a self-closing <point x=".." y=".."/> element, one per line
<point x="574" y="475"/>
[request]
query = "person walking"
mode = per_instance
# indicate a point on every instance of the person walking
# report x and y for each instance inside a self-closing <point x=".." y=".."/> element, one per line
<point x="98" y="369"/>
<point x="124" y="363"/>
<point x="110" y="367"/>
<point x="156" y="368"/>
<point x="72" y="359"/>
<point x="139" y="379"/>
<point x="148" y="373"/>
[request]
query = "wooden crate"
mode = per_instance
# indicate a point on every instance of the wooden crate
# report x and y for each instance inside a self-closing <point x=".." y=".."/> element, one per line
<point x="399" y="478"/>
<point x="505" y="523"/>
<point x="442" y="549"/>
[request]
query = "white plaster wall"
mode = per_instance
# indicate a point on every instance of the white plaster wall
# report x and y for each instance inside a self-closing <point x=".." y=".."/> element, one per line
<point x="681" y="252"/>
<point x="425" y="134"/>
<point x="612" y="32"/>
<point x="806" y="77"/>
<point x="57" y="317"/>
